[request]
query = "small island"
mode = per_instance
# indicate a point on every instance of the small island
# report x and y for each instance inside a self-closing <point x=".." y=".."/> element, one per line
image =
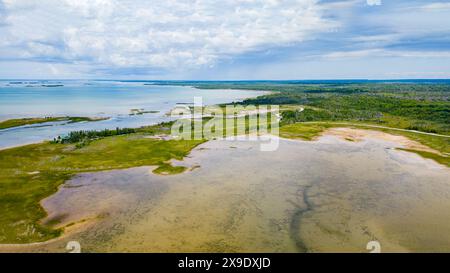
<point x="11" y="123"/>
<point x="52" y="85"/>
<point x="134" y="112"/>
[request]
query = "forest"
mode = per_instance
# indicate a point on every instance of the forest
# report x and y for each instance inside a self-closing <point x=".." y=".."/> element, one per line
<point x="413" y="106"/>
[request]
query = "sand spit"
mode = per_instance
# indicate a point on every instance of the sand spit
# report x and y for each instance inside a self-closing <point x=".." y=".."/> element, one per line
<point x="358" y="135"/>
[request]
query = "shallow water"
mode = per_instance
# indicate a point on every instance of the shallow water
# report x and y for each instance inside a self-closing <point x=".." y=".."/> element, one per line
<point x="95" y="99"/>
<point x="328" y="195"/>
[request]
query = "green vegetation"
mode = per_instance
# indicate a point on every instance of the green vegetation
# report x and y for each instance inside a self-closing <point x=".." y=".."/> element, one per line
<point x="166" y="169"/>
<point x="81" y="119"/>
<point x="83" y="136"/>
<point x="307" y="109"/>
<point x="423" y="107"/>
<point x="440" y="159"/>
<point x="134" y="112"/>
<point x="303" y="131"/>
<point x="415" y="107"/>
<point x="428" y="112"/>
<point x="310" y="131"/>
<point x="29" y="121"/>
<point x="33" y="172"/>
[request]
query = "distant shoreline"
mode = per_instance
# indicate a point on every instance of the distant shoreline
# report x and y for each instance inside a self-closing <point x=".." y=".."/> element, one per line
<point x="13" y="123"/>
<point x="22" y="122"/>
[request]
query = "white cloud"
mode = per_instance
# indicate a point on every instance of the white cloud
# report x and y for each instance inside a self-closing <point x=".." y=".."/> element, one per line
<point x="437" y="6"/>
<point x="374" y="2"/>
<point x="386" y="53"/>
<point x="164" y="33"/>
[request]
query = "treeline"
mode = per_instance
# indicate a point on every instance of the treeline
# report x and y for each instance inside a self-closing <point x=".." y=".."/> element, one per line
<point x="422" y="107"/>
<point x="290" y="116"/>
<point x="81" y="136"/>
<point x="435" y="111"/>
<point x="409" y="89"/>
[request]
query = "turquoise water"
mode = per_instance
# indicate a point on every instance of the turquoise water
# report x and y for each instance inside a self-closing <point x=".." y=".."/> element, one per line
<point x="20" y="99"/>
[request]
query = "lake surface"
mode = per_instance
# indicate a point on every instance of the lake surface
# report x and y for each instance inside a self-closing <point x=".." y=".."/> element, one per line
<point x="112" y="99"/>
<point x="328" y="195"/>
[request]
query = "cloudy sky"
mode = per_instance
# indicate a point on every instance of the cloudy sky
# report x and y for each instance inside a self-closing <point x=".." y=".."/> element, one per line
<point x="224" y="40"/>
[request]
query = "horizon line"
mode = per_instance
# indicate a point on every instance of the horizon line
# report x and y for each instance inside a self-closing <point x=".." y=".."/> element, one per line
<point x="209" y="80"/>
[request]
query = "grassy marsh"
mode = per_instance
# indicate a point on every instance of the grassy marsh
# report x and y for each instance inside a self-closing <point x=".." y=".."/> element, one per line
<point x="32" y="172"/>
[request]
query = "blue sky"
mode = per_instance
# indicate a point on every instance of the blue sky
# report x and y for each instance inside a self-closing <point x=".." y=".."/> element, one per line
<point x="225" y="40"/>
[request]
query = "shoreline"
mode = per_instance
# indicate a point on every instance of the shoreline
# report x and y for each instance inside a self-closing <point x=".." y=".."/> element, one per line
<point x="359" y="135"/>
<point x="94" y="119"/>
<point x="39" y="121"/>
<point x="347" y="126"/>
<point x="342" y="130"/>
<point x="411" y="146"/>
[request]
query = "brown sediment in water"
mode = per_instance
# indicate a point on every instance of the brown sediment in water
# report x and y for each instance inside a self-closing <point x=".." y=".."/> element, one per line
<point x="351" y="134"/>
<point x="324" y="196"/>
